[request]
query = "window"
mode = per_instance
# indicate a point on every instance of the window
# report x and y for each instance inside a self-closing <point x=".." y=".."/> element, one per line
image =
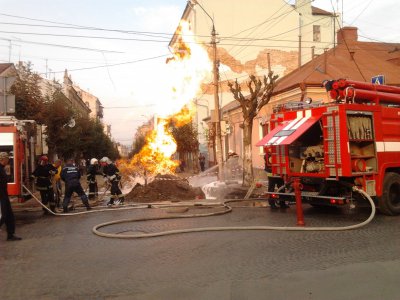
<point x="7" y="145"/>
<point x="316" y="33"/>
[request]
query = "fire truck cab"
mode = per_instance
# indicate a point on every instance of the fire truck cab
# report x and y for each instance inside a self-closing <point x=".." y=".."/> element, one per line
<point x="332" y="147"/>
<point x="13" y="141"/>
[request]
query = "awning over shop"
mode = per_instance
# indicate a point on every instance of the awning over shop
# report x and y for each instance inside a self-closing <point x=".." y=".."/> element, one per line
<point x="287" y="133"/>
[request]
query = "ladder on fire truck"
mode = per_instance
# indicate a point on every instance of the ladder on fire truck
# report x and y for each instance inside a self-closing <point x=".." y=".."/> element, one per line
<point x="330" y="124"/>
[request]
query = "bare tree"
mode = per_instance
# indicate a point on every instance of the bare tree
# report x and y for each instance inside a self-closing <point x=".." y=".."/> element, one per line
<point x="260" y="94"/>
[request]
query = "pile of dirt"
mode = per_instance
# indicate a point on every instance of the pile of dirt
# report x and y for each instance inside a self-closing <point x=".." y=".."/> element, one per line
<point x="165" y="188"/>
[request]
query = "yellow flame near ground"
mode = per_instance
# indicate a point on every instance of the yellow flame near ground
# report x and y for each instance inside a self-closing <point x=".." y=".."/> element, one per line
<point x="189" y="67"/>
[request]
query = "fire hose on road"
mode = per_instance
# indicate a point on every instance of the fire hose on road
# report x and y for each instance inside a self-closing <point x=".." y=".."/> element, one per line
<point x="224" y="205"/>
<point x="96" y="228"/>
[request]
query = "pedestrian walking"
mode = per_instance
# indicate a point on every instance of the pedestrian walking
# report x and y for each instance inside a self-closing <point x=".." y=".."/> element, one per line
<point x="92" y="171"/>
<point x="7" y="215"/>
<point x="111" y="172"/>
<point x="202" y="161"/>
<point x="43" y="173"/>
<point x="71" y="175"/>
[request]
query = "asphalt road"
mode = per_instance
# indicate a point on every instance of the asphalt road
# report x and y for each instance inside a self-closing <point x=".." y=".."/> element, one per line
<point x="60" y="258"/>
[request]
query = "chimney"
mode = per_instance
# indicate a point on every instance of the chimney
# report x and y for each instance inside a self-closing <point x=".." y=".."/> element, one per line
<point x="348" y="34"/>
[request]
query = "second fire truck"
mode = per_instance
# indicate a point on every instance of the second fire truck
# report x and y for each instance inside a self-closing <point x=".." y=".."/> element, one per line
<point x="352" y="141"/>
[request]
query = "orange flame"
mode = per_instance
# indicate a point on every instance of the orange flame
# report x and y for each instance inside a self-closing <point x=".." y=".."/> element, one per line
<point x="188" y="67"/>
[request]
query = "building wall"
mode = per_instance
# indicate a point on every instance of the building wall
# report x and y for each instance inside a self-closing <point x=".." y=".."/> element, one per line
<point x="92" y="102"/>
<point x="72" y="94"/>
<point x="272" y="27"/>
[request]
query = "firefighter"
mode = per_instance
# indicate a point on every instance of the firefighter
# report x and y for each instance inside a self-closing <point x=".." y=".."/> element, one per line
<point x="56" y="181"/>
<point x="71" y="175"/>
<point x="273" y="186"/>
<point x="111" y="172"/>
<point x="272" y="182"/>
<point x="7" y="215"/>
<point x="43" y="173"/>
<point x="91" y="178"/>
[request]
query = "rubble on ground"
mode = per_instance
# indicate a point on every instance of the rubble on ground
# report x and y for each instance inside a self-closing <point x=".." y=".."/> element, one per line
<point x="164" y="188"/>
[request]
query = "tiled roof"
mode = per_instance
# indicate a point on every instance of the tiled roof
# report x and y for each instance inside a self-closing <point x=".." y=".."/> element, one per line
<point x="4" y="67"/>
<point x="355" y="60"/>
<point x="318" y="11"/>
<point x="230" y="106"/>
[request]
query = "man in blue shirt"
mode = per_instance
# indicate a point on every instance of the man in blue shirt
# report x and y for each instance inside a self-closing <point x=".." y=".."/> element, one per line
<point x="71" y="176"/>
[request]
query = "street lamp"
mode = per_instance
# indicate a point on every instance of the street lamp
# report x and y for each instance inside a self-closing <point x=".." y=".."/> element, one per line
<point x="218" y="146"/>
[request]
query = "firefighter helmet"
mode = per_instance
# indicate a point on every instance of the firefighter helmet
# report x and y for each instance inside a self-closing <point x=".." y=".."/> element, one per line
<point x="106" y="160"/>
<point x="93" y="161"/>
<point x="44" y="158"/>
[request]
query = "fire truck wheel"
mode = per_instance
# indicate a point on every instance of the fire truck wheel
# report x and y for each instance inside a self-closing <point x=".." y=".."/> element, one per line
<point x="389" y="202"/>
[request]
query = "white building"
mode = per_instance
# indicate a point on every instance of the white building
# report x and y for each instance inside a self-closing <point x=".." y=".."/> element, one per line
<point x="253" y="36"/>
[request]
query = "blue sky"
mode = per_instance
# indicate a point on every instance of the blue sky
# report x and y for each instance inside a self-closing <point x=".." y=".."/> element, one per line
<point x="127" y="84"/>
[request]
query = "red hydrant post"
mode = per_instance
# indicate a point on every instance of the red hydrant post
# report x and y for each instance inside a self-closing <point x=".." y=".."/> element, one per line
<point x="297" y="186"/>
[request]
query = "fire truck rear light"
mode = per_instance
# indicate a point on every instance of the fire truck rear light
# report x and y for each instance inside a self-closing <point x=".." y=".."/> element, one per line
<point x="333" y="201"/>
<point x="340" y="202"/>
<point x="275" y="196"/>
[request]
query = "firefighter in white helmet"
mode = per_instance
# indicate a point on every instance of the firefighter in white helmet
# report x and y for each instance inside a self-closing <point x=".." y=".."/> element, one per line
<point x="92" y="171"/>
<point x="111" y="172"/>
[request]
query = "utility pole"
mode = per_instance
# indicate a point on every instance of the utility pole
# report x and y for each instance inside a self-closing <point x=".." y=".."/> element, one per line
<point x="218" y="144"/>
<point x="299" y="40"/>
<point x="9" y="51"/>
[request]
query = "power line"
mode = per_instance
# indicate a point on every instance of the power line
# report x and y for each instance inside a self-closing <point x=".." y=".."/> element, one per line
<point x="152" y="34"/>
<point x="347" y="46"/>
<point x="74" y="26"/>
<point x="145" y="40"/>
<point x="59" y="45"/>
<point x="134" y="39"/>
<point x="361" y="12"/>
<point x="112" y="65"/>
<point x="83" y="36"/>
<point x="265" y="22"/>
<point x="276" y="21"/>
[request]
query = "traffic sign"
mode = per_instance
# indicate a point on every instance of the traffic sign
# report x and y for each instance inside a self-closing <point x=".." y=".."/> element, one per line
<point x="378" y="79"/>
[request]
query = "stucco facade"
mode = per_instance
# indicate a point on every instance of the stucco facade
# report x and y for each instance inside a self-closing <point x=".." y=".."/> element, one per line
<point x="253" y="36"/>
<point x="72" y="94"/>
<point x="96" y="108"/>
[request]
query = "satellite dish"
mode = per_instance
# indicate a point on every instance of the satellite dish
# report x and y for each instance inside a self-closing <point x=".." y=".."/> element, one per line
<point x="71" y="123"/>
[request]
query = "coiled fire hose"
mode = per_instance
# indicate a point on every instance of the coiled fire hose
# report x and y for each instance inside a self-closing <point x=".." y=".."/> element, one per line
<point x="96" y="228"/>
<point x="224" y="204"/>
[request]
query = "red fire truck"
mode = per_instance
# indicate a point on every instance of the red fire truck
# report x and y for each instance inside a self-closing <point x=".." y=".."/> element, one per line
<point x="352" y="141"/>
<point x="13" y="140"/>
